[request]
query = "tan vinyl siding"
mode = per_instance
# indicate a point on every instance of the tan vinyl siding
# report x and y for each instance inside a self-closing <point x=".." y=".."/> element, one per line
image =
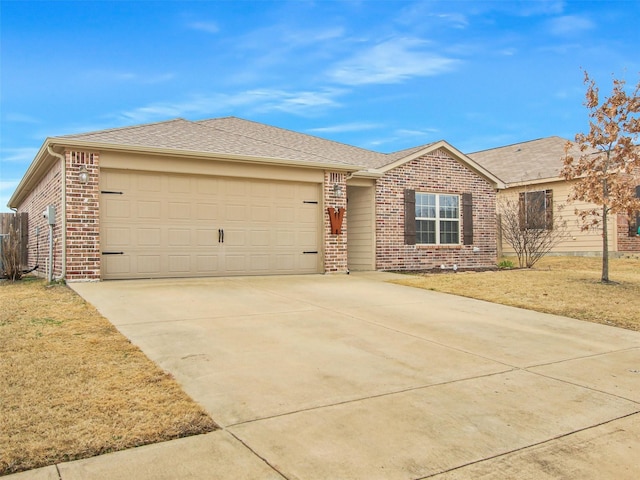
<point x="576" y="242"/>
<point x="361" y="239"/>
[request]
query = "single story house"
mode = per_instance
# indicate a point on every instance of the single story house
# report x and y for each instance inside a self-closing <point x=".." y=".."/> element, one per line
<point x="531" y="169"/>
<point x="227" y="196"/>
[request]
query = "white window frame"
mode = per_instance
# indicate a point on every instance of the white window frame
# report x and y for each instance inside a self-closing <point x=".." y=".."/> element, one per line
<point x="437" y="219"/>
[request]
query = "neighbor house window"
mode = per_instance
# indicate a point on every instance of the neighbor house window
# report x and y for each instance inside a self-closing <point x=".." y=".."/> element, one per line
<point x="536" y="210"/>
<point x="437" y="219"/>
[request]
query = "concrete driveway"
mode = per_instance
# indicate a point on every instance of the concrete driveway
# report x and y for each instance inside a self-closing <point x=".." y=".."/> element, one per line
<point x="350" y="377"/>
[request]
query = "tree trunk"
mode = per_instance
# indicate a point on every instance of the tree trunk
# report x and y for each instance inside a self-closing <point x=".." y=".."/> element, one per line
<point x="605" y="247"/>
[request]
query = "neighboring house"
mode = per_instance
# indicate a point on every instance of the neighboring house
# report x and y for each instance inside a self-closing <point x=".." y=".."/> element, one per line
<point x="233" y="197"/>
<point x="531" y="170"/>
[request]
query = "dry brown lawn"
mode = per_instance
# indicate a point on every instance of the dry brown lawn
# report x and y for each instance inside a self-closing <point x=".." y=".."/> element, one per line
<point x="71" y="386"/>
<point x="568" y="286"/>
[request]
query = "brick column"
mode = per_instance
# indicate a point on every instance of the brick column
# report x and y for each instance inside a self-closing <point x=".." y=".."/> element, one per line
<point x="83" y="216"/>
<point x="335" y="245"/>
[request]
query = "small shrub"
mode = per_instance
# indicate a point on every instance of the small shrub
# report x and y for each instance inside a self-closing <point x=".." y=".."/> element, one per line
<point x="505" y="264"/>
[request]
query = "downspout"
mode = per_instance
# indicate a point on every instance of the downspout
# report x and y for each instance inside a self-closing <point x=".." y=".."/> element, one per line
<point x="63" y="214"/>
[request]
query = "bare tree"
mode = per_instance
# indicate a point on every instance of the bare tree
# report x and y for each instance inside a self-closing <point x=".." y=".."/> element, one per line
<point x="11" y="255"/>
<point x="604" y="170"/>
<point x="529" y="226"/>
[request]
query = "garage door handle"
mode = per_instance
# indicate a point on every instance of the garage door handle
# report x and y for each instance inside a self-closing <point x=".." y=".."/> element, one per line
<point x="220" y="235"/>
<point x="112" y="253"/>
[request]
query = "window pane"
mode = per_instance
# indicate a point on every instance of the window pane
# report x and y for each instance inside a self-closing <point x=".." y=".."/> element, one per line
<point x="448" y="206"/>
<point x="425" y="231"/>
<point x="425" y="205"/>
<point x="449" y="231"/>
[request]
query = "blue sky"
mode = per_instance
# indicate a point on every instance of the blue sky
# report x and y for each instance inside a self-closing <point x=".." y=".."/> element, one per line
<point x="382" y="75"/>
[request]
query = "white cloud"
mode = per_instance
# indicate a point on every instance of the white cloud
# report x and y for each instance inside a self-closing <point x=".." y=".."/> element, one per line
<point x="299" y="103"/>
<point x="403" y="132"/>
<point x="19" y="155"/>
<point x="392" y="61"/>
<point x="8" y="185"/>
<point x="346" y="127"/>
<point x="258" y="100"/>
<point x="20" y="118"/>
<point x="115" y="76"/>
<point x="570" y="25"/>
<point x="209" y="27"/>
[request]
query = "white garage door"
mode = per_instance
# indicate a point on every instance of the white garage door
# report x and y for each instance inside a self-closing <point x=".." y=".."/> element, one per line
<point x="167" y="225"/>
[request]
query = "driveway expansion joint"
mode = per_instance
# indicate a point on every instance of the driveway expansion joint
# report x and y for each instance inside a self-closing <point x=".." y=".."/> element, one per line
<point x="530" y="446"/>
<point x="371" y="397"/>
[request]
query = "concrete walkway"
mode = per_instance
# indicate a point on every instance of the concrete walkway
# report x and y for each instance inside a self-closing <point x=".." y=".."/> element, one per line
<point x="350" y="377"/>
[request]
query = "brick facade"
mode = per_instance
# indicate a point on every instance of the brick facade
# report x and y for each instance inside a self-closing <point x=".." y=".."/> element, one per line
<point x="47" y="192"/>
<point x="83" y="217"/>
<point x="335" y="246"/>
<point x="626" y="242"/>
<point x="436" y="172"/>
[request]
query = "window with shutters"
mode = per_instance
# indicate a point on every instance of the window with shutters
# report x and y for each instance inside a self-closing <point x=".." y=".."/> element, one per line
<point x="536" y="210"/>
<point x="437" y="219"/>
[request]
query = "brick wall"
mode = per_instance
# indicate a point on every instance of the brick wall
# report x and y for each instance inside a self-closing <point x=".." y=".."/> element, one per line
<point x="436" y="172"/>
<point x="47" y="192"/>
<point x="83" y="217"/>
<point x="335" y="246"/>
<point x="626" y="243"/>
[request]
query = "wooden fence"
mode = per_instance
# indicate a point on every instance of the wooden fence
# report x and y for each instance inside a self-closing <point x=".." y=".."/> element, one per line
<point x="19" y="221"/>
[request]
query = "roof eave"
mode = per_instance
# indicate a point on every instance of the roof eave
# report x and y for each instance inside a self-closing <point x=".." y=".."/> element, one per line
<point x="43" y="161"/>
<point x="208" y="155"/>
<point x="536" y="181"/>
<point x="367" y="174"/>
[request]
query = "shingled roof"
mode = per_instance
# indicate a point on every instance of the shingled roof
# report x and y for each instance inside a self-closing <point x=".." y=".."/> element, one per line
<point x="527" y="161"/>
<point x="235" y="136"/>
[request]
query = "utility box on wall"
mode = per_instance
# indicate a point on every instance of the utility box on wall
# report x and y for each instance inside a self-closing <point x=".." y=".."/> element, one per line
<point x="50" y="214"/>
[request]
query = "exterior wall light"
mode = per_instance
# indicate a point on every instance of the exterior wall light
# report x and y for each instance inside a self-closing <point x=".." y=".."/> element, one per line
<point x="83" y="175"/>
<point x="337" y="189"/>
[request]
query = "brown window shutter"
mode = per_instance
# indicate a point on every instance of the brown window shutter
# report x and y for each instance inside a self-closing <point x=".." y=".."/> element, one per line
<point x="522" y="217"/>
<point x="549" y="209"/>
<point x="409" y="217"/>
<point x="467" y="218"/>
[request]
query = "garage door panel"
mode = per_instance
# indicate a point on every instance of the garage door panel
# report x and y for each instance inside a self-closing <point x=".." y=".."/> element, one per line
<point x="206" y="264"/>
<point x="117" y="208"/>
<point x="178" y="184"/>
<point x="148" y="264"/>
<point x="260" y="238"/>
<point x="207" y="238"/>
<point x="179" y="264"/>
<point x="149" y="210"/>
<point x="307" y="261"/>
<point x="117" y="236"/>
<point x="207" y="187"/>
<point x="170" y="225"/>
<point x="149" y="237"/>
<point x="116" y="265"/>
<point x="307" y="239"/>
<point x="285" y="238"/>
<point x="180" y="211"/>
<point x="207" y="211"/>
<point x="149" y="183"/>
